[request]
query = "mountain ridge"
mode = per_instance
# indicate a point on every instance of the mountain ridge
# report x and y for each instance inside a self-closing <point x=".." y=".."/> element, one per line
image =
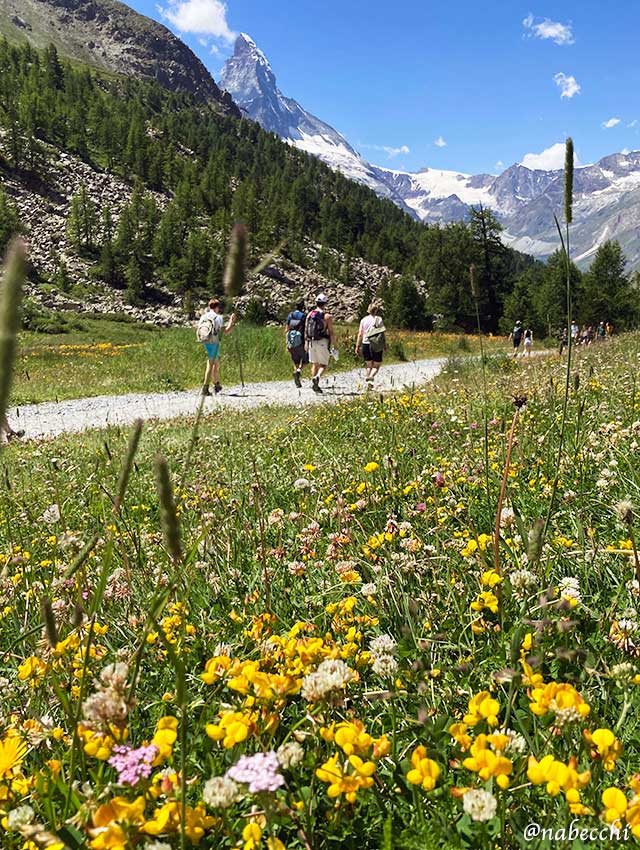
<point x="607" y="193"/>
<point x="111" y="37"/>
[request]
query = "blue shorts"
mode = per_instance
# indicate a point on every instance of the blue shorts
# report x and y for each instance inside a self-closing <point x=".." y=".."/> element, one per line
<point x="213" y="350"/>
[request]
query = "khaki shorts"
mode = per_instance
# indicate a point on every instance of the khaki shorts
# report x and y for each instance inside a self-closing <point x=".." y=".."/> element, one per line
<point x="319" y="352"/>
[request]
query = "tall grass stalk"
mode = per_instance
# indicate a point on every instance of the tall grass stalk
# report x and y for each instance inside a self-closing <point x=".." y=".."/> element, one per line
<point x="476" y="298"/>
<point x="566" y="252"/>
<point x="10" y="299"/>
<point x="235" y="276"/>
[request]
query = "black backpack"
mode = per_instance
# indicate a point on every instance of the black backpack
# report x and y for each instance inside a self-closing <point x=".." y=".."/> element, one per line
<point x="316" y="327"/>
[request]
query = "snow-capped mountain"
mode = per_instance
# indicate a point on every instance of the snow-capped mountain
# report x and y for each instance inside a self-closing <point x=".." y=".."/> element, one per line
<point x="606" y="195"/>
<point x="249" y="79"/>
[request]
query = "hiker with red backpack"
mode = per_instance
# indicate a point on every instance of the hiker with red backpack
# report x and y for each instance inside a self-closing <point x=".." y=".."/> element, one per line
<point x="294" y="330"/>
<point x="319" y="340"/>
<point x="209" y="332"/>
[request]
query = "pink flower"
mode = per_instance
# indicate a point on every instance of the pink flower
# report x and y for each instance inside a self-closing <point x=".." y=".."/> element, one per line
<point x="438" y="479"/>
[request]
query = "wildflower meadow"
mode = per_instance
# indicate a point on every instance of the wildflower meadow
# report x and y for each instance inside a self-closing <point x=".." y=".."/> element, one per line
<point x="396" y="622"/>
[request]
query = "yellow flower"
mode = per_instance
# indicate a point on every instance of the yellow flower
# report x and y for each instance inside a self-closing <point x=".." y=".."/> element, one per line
<point x="561" y="698"/>
<point x="165" y="738"/>
<point x="372" y="466"/>
<point x="487" y="763"/>
<point x="233" y="728"/>
<point x="487" y="599"/>
<point x="490" y="578"/>
<point x="12" y="752"/>
<point x="458" y="732"/>
<point x="615" y="804"/>
<point x="341" y="780"/>
<point x="425" y="771"/>
<point x="607" y="747"/>
<point x="251" y="835"/>
<point x="32" y="670"/>
<point x="482" y="707"/>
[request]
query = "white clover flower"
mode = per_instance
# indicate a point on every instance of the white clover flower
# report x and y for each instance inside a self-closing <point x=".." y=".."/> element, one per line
<point x="19" y="817"/>
<point x="569" y="589"/>
<point x="479" y="804"/>
<point x="517" y="744"/>
<point x="301" y="484"/>
<point x="157" y="845"/>
<point x="385" y="666"/>
<point x="220" y="792"/>
<point x="507" y="517"/>
<point x="523" y="582"/>
<point x="331" y="675"/>
<point x="624" y="511"/>
<point x="623" y="671"/>
<point x="290" y="755"/>
<point x="51" y="515"/>
<point x="368" y="589"/>
<point x="383" y="645"/>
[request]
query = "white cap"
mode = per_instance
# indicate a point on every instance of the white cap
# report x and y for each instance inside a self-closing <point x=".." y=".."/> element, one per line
<point x="321" y="299"/>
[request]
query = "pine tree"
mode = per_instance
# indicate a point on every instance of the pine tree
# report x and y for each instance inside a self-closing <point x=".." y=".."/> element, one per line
<point x="82" y="221"/>
<point x="9" y="221"/>
<point x="135" y="282"/>
<point x="607" y="293"/>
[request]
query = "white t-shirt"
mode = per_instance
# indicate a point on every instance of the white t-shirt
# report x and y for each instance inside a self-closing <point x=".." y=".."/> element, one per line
<point x="365" y="326"/>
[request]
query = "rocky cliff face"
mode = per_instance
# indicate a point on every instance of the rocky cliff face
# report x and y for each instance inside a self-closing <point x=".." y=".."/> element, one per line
<point x="112" y="38"/>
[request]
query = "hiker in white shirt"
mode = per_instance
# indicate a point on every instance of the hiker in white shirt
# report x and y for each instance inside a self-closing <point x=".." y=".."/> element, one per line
<point x="371" y="341"/>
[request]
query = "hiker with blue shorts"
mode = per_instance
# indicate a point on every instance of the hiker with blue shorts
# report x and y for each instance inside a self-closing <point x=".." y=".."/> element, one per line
<point x="210" y="329"/>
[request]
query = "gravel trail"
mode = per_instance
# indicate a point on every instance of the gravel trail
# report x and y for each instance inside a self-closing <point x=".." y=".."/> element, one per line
<point x="53" y="418"/>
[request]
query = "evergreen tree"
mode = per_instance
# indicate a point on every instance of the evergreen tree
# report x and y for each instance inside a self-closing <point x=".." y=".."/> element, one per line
<point x="135" y="282"/>
<point x="607" y="293"/>
<point x="9" y="221"/>
<point x="82" y="221"/>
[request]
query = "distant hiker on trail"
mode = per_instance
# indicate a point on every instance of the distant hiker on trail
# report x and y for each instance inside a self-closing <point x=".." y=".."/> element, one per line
<point x="575" y="330"/>
<point x="563" y="339"/>
<point x="295" y="329"/>
<point x="516" y="336"/>
<point x="601" y="332"/>
<point x="319" y="340"/>
<point x="371" y="340"/>
<point x="210" y="329"/>
<point x="528" y="342"/>
<point x="6" y="431"/>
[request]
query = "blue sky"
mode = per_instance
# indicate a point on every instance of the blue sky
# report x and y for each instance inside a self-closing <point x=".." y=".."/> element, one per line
<point x="467" y="86"/>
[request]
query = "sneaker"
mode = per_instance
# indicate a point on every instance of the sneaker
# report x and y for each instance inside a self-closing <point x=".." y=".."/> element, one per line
<point x="218" y="388"/>
<point x="206" y="391"/>
<point x="296" y="379"/>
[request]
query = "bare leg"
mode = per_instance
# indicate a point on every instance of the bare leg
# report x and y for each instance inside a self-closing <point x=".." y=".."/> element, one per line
<point x="374" y="369"/>
<point x="208" y="372"/>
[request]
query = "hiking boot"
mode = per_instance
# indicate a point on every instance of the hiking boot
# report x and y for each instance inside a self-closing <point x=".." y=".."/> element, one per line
<point x="315" y="385"/>
<point x="296" y="379"/>
<point x="218" y="388"/>
<point x="206" y="391"/>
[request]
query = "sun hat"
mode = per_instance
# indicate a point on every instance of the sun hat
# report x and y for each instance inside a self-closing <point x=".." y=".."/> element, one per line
<point x="321" y="299"/>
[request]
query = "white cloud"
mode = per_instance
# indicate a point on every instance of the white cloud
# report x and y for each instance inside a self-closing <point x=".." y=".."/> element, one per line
<point x="612" y="122"/>
<point x="550" y="159"/>
<point x="625" y="151"/>
<point x="499" y="164"/>
<point x="388" y="149"/>
<point x="546" y="28"/>
<point x="202" y="17"/>
<point x="568" y="85"/>
<point x="440" y="142"/>
<point x="633" y="123"/>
